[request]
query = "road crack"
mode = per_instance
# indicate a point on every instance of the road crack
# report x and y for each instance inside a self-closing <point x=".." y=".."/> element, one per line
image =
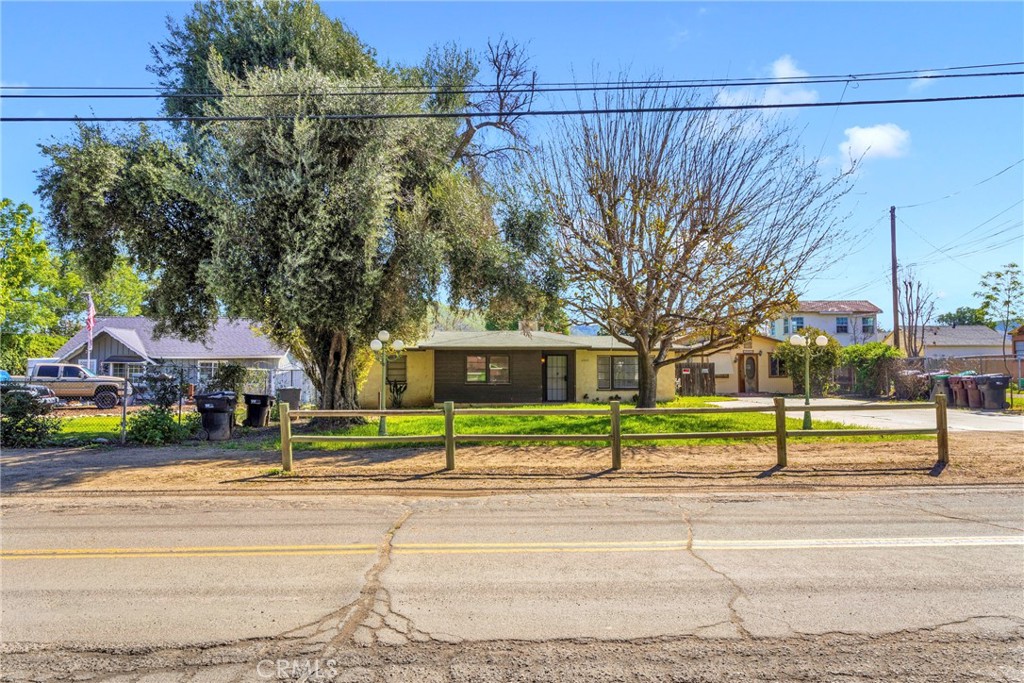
<point x="734" y="616"/>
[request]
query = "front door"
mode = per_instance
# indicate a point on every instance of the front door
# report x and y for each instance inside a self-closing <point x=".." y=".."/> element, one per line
<point x="748" y="374"/>
<point x="556" y="378"/>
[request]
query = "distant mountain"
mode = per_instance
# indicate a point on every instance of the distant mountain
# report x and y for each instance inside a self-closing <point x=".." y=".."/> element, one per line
<point x="590" y="330"/>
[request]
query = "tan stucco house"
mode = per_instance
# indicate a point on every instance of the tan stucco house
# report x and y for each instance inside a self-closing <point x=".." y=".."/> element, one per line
<point x="499" y="367"/>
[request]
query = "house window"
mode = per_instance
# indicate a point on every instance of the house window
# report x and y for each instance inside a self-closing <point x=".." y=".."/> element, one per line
<point x="133" y="371"/>
<point x="618" y="372"/>
<point x="397" y="369"/>
<point x="867" y="325"/>
<point x="487" y="369"/>
<point x="206" y="370"/>
<point x="785" y="326"/>
<point x="772" y="329"/>
<point x="798" y="324"/>
<point x="842" y="325"/>
<point x="1019" y="348"/>
<point x="776" y="366"/>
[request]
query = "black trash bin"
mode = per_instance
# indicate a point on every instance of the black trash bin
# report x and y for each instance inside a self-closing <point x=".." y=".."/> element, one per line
<point x="218" y="414"/>
<point x="993" y="391"/>
<point x="257" y="409"/>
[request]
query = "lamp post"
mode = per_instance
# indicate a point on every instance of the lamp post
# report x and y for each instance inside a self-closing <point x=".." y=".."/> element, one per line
<point x="382" y="347"/>
<point x="800" y="340"/>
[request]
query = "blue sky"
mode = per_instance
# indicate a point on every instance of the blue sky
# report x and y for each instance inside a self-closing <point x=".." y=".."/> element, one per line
<point x="929" y="154"/>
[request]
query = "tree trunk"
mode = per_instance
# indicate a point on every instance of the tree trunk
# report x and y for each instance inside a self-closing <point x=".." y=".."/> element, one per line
<point x="332" y="357"/>
<point x="648" y="393"/>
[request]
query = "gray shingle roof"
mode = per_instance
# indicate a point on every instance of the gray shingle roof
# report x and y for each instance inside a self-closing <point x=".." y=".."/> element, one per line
<point x="518" y="340"/>
<point x="837" y="306"/>
<point x="962" y="335"/>
<point x="226" y="340"/>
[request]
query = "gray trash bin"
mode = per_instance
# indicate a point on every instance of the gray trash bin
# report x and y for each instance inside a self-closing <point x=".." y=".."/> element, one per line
<point x="290" y="395"/>
<point x="993" y="390"/>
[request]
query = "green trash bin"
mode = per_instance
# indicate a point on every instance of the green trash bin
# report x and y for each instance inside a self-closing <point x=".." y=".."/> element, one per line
<point x="940" y="385"/>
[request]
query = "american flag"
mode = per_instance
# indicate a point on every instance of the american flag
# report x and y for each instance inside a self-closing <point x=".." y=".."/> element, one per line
<point x="90" y="320"/>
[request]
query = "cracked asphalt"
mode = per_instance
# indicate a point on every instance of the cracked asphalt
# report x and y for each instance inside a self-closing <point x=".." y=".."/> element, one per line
<point x="910" y="584"/>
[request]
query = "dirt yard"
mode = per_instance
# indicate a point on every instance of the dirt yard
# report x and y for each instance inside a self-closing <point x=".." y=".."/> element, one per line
<point x="976" y="458"/>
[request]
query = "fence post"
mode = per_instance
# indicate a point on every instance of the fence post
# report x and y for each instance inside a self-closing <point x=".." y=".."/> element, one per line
<point x="780" y="431"/>
<point x="449" y="435"/>
<point x="942" y="427"/>
<point x="616" y="436"/>
<point x="124" y="411"/>
<point x="286" y="437"/>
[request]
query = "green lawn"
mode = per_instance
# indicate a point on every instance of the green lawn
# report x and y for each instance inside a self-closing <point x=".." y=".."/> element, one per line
<point x="90" y="427"/>
<point x="109" y="427"/>
<point x="572" y="424"/>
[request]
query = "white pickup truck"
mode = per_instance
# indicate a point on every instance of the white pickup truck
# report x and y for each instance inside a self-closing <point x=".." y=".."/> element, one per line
<point x="70" y="381"/>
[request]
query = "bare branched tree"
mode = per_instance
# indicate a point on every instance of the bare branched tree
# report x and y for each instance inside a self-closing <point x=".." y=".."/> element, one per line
<point x="500" y="104"/>
<point x="683" y="231"/>
<point x="917" y="306"/>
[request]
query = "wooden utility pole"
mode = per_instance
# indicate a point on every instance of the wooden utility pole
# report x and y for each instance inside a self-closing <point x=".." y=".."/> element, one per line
<point x="895" y="282"/>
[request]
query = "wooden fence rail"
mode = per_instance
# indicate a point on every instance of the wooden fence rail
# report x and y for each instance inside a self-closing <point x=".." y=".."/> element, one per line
<point x="614" y="437"/>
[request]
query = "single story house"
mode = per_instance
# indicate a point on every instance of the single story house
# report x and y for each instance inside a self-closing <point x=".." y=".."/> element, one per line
<point x="959" y="341"/>
<point x="848" y="321"/>
<point x="497" y="367"/>
<point x="125" y="346"/>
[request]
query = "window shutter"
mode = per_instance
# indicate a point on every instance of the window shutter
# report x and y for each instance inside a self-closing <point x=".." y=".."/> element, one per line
<point x="604" y="373"/>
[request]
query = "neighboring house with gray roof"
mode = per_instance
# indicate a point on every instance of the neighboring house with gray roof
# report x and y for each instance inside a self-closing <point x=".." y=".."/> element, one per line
<point x="126" y="346"/>
<point x="850" y="321"/>
<point x="959" y="341"/>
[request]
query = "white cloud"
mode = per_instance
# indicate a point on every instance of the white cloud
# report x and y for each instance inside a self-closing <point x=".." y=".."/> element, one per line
<point x="885" y="140"/>
<point x="922" y="83"/>
<point x="783" y="68"/>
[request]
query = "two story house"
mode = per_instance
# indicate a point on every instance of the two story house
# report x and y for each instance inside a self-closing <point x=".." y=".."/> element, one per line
<point x="850" y="322"/>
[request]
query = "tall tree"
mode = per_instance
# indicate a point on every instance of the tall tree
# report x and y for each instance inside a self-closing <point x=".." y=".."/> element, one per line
<point x="916" y="308"/>
<point x="683" y="227"/>
<point x="1002" y="296"/>
<point x="322" y="231"/>
<point x="965" y="315"/>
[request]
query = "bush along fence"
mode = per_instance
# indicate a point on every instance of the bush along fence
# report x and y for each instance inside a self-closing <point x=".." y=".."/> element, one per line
<point x="614" y="437"/>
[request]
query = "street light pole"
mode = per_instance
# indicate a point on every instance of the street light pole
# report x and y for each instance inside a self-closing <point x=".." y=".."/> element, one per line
<point x="800" y="340"/>
<point x="381" y="346"/>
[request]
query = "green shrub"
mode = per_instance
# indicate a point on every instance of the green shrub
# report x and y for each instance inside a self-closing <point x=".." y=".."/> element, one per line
<point x="24" y="423"/>
<point x="824" y="361"/>
<point x="229" y="377"/>
<point x="156" y="426"/>
<point x="874" y="364"/>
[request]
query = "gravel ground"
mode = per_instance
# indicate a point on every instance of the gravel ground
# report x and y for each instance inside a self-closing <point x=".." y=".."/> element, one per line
<point x="907" y="657"/>
<point x="983" y="458"/>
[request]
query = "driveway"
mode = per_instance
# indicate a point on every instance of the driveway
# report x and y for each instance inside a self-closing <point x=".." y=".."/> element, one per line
<point x="960" y="420"/>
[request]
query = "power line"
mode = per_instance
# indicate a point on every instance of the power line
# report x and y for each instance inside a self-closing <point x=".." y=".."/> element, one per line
<point x="400" y="90"/>
<point x="795" y="80"/>
<point x="943" y="251"/>
<point x="497" y="114"/>
<point x="953" y="194"/>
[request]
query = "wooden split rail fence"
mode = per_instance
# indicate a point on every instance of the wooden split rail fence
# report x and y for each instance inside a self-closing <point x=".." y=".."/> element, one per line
<point x="615" y="437"/>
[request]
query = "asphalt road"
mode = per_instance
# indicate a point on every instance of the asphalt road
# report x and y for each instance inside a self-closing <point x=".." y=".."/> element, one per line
<point x="959" y="419"/>
<point x="904" y="584"/>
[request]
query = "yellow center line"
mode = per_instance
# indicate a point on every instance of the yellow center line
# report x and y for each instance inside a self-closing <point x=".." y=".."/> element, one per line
<point x="511" y="547"/>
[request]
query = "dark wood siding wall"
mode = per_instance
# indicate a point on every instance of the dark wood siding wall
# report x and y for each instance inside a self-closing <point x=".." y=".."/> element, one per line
<point x="526" y="374"/>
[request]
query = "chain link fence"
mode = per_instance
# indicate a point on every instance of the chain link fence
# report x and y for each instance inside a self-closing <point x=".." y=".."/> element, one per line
<point x="43" y="419"/>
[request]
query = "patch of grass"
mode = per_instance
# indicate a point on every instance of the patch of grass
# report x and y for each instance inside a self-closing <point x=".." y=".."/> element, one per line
<point x="278" y="472"/>
<point x="510" y="423"/>
<point x="89" y="427"/>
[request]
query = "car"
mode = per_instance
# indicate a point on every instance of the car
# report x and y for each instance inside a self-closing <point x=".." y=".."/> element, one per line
<point x="4" y="376"/>
<point x="42" y="395"/>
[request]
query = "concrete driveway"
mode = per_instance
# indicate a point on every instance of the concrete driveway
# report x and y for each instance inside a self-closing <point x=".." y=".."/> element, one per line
<point x="960" y="420"/>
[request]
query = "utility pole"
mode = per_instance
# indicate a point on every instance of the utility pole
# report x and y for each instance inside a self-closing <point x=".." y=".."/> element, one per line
<point x="895" y="285"/>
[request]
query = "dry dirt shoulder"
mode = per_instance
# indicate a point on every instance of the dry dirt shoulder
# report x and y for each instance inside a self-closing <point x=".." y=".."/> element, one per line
<point x="976" y="458"/>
